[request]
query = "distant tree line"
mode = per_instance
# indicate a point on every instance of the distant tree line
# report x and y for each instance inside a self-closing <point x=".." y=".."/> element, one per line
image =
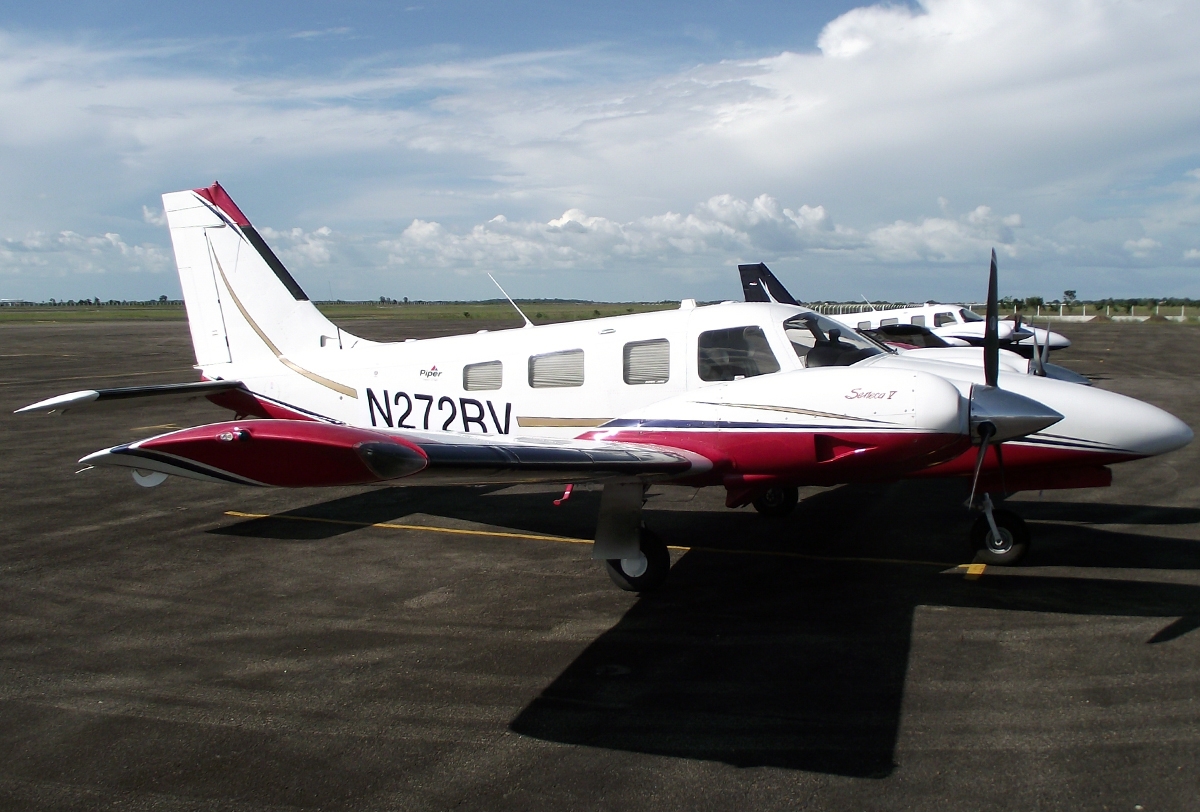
<point x="96" y="302"/>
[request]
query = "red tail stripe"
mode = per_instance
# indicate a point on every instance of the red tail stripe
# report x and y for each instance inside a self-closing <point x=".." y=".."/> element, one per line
<point x="220" y="198"/>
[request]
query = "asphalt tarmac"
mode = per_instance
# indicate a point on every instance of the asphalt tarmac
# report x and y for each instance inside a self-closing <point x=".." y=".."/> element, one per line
<point x="425" y="648"/>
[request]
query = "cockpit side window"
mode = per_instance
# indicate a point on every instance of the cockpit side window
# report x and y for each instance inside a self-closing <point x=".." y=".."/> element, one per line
<point x="822" y="342"/>
<point x="944" y="318"/>
<point x="736" y="352"/>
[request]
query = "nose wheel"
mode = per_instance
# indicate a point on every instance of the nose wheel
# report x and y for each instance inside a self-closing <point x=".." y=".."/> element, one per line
<point x="999" y="536"/>
<point x="645" y="572"/>
<point x="778" y="500"/>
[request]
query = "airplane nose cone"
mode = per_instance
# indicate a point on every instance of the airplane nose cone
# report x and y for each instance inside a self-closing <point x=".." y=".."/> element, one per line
<point x="1153" y="431"/>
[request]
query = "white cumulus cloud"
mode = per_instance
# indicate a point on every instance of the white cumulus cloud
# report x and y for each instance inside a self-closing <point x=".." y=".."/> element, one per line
<point x="1058" y="111"/>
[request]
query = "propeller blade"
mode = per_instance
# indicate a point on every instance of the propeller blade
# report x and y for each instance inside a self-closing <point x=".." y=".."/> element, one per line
<point x="991" y="336"/>
<point x="986" y="432"/>
<point x="1000" y="464"/>
<point x="1046" y="346"/>
<point x="1039" y="368"/>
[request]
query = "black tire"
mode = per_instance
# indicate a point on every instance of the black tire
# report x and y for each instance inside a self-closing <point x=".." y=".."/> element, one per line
<point x="1014" y="542"/>
<point x="657" y="565"/>
<point x="777" y="500"/>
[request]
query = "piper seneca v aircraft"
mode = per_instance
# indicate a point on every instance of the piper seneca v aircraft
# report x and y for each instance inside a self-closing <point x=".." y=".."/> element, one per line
<point x="757" y="397"/>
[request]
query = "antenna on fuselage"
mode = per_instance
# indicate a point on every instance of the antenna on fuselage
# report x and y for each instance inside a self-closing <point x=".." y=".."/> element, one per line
<point x="865" y="299"/>
<point x="528" y="323"/>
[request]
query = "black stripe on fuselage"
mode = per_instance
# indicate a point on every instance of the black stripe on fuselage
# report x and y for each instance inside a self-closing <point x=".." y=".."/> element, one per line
<point x="273" y="262"/>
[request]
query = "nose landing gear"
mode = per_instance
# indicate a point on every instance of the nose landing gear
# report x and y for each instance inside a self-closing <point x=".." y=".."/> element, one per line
<point x="999" y="535"/>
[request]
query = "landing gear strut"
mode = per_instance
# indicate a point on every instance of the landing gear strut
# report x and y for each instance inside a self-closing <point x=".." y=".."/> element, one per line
<point x="777" y="500"/>
<point x="999" y="536"/>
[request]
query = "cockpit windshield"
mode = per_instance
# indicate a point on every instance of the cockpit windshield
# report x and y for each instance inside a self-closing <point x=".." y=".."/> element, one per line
<point x="822" y="342"/>
<point x="970" y="315"/>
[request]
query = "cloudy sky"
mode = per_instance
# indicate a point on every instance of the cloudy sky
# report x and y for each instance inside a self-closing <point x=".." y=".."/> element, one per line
<point x="624" y="150"/>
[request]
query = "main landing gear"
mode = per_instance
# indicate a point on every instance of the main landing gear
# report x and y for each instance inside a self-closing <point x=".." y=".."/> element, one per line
<point x="999" y="535"/>
<point x="647" y="570"/>
<point x="636" y="559"/>
<point x="777" y="500"/>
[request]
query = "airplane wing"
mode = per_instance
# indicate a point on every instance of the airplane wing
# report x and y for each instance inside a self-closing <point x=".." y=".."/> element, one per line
<point x="296" y="453"/>
<point x="128" y="395"/>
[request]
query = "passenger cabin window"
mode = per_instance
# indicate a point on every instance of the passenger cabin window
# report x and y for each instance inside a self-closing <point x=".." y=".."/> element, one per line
<point x="647" y="361"/>
<point x="488" y="375"/>
<point x="918" y="320"/>
<point x="822" y="342"/>
<point x="864" y="325"/>
<point x="739" y="352"/>
<point x="970" y="315"/>
<point x="556" y="369"/>
<point x="942" y="319"/>
<point x="886" y="322"/>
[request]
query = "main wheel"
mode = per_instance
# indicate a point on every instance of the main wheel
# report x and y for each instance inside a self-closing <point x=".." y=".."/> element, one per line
<point x="647" y="571"/>
<point x="777" y="500"/>
<point x="1009" y="548"/>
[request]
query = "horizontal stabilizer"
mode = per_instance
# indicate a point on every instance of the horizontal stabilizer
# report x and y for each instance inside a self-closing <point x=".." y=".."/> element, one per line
<point x="128" y="396"/>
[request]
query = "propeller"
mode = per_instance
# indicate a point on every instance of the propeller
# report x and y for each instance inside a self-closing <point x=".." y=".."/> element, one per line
<point x="998" y="415"/>
<point x="1039" y="363"/>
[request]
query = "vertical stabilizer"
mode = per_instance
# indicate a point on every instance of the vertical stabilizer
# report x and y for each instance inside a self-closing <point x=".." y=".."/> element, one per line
<point x="760" y="285"/>
<point x="244" y="308"/>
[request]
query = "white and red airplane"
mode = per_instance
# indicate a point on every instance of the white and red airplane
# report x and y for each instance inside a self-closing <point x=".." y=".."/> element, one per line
<point x="757" y="397"/>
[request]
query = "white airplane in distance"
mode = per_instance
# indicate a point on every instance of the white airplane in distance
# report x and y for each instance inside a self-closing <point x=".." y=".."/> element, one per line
<point x="916" y="341"/>
<point x="757" y="398"/>
<point x="958" y="326"/>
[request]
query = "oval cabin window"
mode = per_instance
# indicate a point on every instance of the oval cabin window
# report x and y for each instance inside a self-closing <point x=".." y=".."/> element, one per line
<point x="647" y="361"/>
<point x="488" y="375"/>
<point x="556" y="369"/>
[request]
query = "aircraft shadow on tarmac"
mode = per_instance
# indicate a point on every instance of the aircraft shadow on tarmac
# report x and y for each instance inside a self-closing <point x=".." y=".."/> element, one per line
<point x="759" y="650"/>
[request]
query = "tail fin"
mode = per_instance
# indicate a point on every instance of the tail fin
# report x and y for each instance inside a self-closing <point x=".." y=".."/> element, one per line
<point x="760" y="285"/>
<point x="243" y="306"/>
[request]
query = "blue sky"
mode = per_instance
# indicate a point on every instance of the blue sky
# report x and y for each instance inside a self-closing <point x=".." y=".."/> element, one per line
<point x="622" y="151"/>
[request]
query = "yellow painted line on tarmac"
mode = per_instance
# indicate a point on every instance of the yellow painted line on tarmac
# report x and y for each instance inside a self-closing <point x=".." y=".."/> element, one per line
<point x="973" y="571"/>
<point x="393" y="526"/>
<point x="567" y="540"/>
<point x="163" y="426"/>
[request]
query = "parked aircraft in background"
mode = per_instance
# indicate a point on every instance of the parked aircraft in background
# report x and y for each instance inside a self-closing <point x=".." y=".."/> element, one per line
<point x="756" y="397"/>
<point x="958" y="326"/>
<point x="760" y="285"/>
